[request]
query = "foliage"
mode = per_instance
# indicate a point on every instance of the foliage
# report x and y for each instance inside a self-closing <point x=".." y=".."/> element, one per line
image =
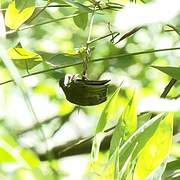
<point x="43" y="40"/>
<point x="14" y="18"/>
<point x="174" y="72"/>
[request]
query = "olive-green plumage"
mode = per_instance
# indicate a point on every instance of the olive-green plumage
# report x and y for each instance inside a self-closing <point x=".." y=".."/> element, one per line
<point x="85" y="92"/>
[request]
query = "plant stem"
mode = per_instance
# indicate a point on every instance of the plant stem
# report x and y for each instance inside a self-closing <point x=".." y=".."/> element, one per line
<point x="17" y="79"/>
<point x="91" y="25"/>
<point x="39" y="24"/>
<point x="174" y="29"/>
<point x="172" y="81"/>
<point x="38" y="13"/>
<point x="168" y="88"/>
<point x="86" y="54"/>
<point x="83" y="141"/>
<point x="49" y="6"/>
<point x="95" y="60"/>
<point x="99" y="38"/>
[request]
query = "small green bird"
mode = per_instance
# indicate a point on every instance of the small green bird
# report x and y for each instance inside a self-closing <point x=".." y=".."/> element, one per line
<point x="84" y="92"/>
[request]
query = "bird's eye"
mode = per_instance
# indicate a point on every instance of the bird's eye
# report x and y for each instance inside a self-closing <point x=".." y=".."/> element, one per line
<point x="67" y="79"/>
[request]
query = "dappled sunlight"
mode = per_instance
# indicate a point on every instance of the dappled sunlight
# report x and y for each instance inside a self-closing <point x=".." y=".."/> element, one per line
<point x="156" y="104"/>
<point x="121" y="57"/>
<point x="135" y="15"/>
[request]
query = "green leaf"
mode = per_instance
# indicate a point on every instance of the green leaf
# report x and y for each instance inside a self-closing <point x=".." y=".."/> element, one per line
<point x="127" y="124"/>
<point x="96" y="146"/>
<point x="174" y="72"/>
<point x="22" y="4"/>
<point x="116" y="166"/>
<point x="129" y="118"/>
<point x="172" y="166"/>
<point x="7" y="152"/>
<point x="105" y="114"/>
<point x="81" y="20"/>
<point x="77" y="5"/>
<point x="30" y="158"/>
<point x="11" y="152"/>
<point x="156" y="149"/>
<point x="6" y="140"/>
<point x="61" y="59"/>
<point x="128" y="166"/>
<point x="139" y="137"/>
<point x="24" y="58"/>
<point x="158" y="173"/>
<point x="101" y="125"/>
<point x="6" y="156"/>
<point x="14" y="18"/>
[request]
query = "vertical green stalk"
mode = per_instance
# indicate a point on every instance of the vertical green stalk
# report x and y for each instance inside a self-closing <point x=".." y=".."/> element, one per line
<point x="91" y="25"/>
<point x="86" y="55"/>
<point x="17" y="79"/>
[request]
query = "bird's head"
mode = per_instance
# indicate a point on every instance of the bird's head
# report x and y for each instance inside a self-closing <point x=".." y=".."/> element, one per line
<point x="65" y="82"/>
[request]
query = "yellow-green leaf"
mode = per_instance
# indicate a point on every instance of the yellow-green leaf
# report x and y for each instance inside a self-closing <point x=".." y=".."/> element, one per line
<point x="106" y="112"/>
<point x="23" y="58"/>
<point x="29" y="157"/>
<point x="101" y="126"/>
<point x="127" y="124"/>
<point x="156" y="149"/>
<point x="96" y="146"/>
<point x="6" y="156"/>
<point x="129" y="117"/>
<point x="14" y="18"/>
<point x="174" y="72"/>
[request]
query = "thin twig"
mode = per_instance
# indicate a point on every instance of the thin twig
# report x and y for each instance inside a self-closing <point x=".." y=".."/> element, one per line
<point x="174" y="29"/>
<point x="172" y="81"/>
<point x="91" y="24"/>
<point x="128" y="34"/>
<point x="102" y="37"/>
<point x="39" y="24"/>
<point x="175" y="97"/>
<point x="49" y="6"/>
<point x="35" y="126"/>
<point x="95" y="60"/>
<point x="83" y="141"/>
<point x="86" y="55"/>
<point x="38" y="13"/>
<point x="168" y="88"/>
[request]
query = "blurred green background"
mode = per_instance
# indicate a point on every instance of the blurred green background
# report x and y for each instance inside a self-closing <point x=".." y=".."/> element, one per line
<point x="21" y="139"/>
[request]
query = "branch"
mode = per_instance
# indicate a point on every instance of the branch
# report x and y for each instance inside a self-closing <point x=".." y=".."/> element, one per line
<point x="102" y="37"/>
<point x="41" y="7"/>
<point x="174" y="29"/>
<point x="61" y="119"/>
<point x="95" y="60"/>
<point x="35" y="126"/>
<point x="83" y="148"/>
<point x="39" y="12"/>
<point x="42" y="23"/>
<point x="80" y="146"/>
<point x="168" y="88"/>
